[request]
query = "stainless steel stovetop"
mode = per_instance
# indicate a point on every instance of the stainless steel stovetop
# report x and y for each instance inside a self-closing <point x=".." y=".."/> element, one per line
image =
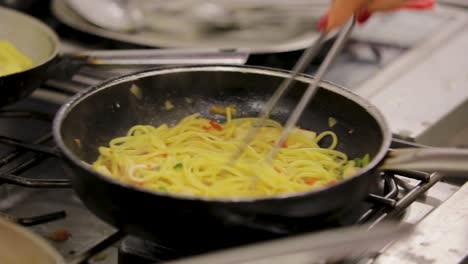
<point x="375" y="65"/>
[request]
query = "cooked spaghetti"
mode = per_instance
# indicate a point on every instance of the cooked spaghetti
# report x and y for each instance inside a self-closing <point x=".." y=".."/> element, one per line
<point x="192" y="157"/>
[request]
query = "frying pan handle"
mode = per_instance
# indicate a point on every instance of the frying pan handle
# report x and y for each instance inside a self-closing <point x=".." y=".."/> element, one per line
<point x="451" y="161"/>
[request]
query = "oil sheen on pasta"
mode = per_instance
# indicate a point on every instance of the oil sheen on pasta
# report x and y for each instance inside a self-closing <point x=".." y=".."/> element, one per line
<point x="191" y="158"/>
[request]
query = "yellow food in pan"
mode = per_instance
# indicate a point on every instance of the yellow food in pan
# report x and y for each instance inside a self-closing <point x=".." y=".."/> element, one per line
<point x="12" y="60"/>
<point x="191" y="158"/>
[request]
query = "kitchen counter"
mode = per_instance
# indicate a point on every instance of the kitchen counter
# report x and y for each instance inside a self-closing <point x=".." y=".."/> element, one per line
<point x="424" y="94"/>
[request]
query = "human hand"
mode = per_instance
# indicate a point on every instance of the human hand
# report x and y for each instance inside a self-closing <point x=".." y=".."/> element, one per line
<point x="341" y="10"/>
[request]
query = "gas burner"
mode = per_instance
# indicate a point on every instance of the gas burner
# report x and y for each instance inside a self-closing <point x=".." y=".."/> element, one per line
<point x="19" y="155"/>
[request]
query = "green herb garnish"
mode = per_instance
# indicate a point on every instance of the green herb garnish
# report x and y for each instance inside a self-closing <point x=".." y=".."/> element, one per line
<point x="178" y="166"/>
<point x="365" y="160"/>
<point x="362" y="162"/>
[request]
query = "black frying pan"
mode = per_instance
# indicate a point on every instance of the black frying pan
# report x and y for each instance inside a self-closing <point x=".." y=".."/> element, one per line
<point x="108" y="110"/>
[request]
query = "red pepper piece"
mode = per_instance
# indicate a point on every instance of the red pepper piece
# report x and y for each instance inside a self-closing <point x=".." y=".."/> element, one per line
<point x="215" y="125"/>
<point x="278" y="170"/>
<point x="311" y="181"/>
<point x="59" y="235"/>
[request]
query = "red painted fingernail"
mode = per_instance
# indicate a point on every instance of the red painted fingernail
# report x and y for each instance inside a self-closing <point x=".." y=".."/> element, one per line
<point x="419" y="4"/>
<point x="322" y="23"/>
<point x="363" y="16"/>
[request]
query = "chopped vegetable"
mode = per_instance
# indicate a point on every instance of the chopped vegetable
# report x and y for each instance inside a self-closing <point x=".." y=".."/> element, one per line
<point x="331" y="122"/>
<point x="215" y="125"/>
<point x="311" y="181"/>
<point x="164" y="155"/>
<point x="162" y="189"/>
<point x="59" y="235"/>
<point x="179" y="166"/>
<point x="284" y="145"/>
<point x="154" y="167"/>
<point x="168" y="105"/>
<point x="12" y="60"/>
<point x="77" y="142"/>
<point x="358" y="162"/>
<point x="222" y="110"/>
<point x="277" y="170"/>
<point x="362" y="162"/>
<point x="365" y="160"/>
<point x="136" y="91"/>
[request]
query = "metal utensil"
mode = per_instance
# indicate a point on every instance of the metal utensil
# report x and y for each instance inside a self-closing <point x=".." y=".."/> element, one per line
<point x="312" y="89"/>
<point x="160" y="57"/>
<point x="330" y="245"/>
<point x="298" y="69"/>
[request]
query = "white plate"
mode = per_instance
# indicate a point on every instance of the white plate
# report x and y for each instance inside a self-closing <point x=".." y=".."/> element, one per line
<point x="301" y="37"/>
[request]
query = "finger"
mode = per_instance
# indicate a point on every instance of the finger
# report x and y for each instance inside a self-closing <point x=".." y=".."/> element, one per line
<point x="341" y="10"/>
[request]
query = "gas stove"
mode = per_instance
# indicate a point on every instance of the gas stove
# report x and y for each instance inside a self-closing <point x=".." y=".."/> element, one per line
<point x="35" y="191"/>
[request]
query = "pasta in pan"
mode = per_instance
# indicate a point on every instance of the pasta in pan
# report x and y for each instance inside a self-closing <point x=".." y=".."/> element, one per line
<point x="191" y="158"/>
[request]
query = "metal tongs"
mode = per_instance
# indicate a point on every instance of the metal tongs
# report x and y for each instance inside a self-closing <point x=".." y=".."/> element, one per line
<point x="303" y="62"/>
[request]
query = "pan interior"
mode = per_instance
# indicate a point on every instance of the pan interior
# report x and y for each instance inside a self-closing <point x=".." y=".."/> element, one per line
<point x="109" y="110"/>
<point x="28" y="35"/>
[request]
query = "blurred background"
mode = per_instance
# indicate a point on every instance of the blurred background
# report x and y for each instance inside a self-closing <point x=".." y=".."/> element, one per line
<point x="393" y="60"/>
<point x="410" y="64"/>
